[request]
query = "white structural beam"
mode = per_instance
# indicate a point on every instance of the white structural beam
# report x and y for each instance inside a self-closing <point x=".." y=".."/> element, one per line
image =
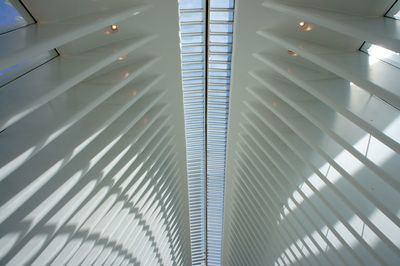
<point x="18" y="45"/>
<point x="381" y="31"/>
<point x="368" y="112"/>
<point x="354" y="66"/>
<point x="57" y="76"/>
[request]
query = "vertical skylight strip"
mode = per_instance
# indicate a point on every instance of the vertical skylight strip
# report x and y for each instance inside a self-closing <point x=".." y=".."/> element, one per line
<point x="220" y="37"/>
<point x="192" y="35"/>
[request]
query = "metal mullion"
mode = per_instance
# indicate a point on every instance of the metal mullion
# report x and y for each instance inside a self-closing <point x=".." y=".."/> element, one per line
<point x="193" y="78"/>
<point x="192" y="44"/>
<point x="193" y="70"/>
<point x="221" y="22"/>
<point x="191" y="10"/>
<point x="189" y="23"/>
<point x="193" y="85"/>
<point x="219" y="62"/>
<point x="195" y="53"/>
<point x="191" y="34"/>
<point x="220" y="44"/>
<point x="219" y="53"/>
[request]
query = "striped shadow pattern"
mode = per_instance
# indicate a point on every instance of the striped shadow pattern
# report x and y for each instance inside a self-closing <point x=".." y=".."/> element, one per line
<point x="313" y="166"/>
<point x="91" y="165"/>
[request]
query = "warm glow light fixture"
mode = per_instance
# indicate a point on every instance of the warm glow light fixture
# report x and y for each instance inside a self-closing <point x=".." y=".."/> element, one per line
<point x="114" y="27"/>
<point x="292" y="53"/>
<point x="305" y="26"/>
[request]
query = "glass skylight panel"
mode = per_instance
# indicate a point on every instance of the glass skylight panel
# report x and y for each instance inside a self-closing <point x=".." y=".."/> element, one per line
<point x="394" y="11"/>
<point x="191" y="58"/>
<point x="221" y="15"/>
<point x="192" y="35"/>
<point x="215" y="4"/>
<point x="192" y="39"/>
<point x="9" y="74"/>
<point x="206" y="102"/>
<point x="219" y="65"/>
<point x="380" y="53"/>
<point x="220" y="39"/>
<point x="220" y="48"/>
<point x="12" y="16"/>
<point x="223" y="74"/>
<point x="192" y="66"/>
<point x="192" y="49"/>
<point x="220" y="57"/>
<point x="191" y="4"/>
<point x="218" y="80"/>
<point x="221" y="28"/>
<point x="191" y="16"/>
<point x="192" y="28"/>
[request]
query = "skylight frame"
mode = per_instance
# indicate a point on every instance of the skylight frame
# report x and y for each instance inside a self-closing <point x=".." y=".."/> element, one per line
<point x="194" y="93"/>
<point x="219" y="47"/>
<point x="206" y="90"/>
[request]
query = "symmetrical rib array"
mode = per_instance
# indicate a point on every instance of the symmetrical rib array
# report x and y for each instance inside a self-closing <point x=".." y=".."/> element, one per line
<point x="313" y="166"/>
<point x="91" y="169"/>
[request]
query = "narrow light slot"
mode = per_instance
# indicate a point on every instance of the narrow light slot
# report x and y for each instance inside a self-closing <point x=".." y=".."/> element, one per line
<point x="220" y="42"/>
<point x="379" y="53"/>
<point x="192" y="16"/>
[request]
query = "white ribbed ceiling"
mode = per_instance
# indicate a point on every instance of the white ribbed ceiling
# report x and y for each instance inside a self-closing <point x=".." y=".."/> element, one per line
<point x="96" y="169"/>
<point x="92" y="161"/>
<point x="313" y="145"/>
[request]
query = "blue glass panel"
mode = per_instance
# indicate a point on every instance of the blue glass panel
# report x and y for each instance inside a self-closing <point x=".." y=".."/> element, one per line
<point x="191" y="39"/>
<point x="223" y="28"/>
<point x="9" y="74"/>
<point x="10" y="17"/>
<point x="218" y="57"/>
<point x="192" y="66"/>
<point x="191" y="58"/>
<point x="222" y="3"/>
<point x="192" y="49"/>
<point x="220" y="38"/>
<point x="220" y="48"/>
<point x="190" y="4"/>
<point x="195" y="28"/>
<point x="219" y="66"/>
<point x="191" y="16"/>
<point x="221" y="15"/>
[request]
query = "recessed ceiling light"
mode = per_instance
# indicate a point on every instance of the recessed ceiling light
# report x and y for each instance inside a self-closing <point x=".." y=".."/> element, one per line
<point x="114" y="27"/>
<point x="305" y="26"/>
<point x="292" y="53"/>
